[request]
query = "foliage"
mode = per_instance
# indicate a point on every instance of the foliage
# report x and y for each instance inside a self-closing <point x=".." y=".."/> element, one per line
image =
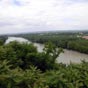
<point x="23" y="55"/>
<point x="22" y="66"/>
<point x="68" y="40"/>
<point x="79" y="45"/>
<point x="1" y="42"/>
<point x="71" y="76"/>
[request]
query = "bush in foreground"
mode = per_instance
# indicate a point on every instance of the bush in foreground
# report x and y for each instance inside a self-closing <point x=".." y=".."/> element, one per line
<point x="22" y="66"/>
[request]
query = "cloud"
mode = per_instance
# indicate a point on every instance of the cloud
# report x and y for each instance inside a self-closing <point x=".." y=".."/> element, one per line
<point x="42" y="15"/>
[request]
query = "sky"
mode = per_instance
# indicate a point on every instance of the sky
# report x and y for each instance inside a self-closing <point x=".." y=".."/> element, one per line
<point x="42" y="15"/>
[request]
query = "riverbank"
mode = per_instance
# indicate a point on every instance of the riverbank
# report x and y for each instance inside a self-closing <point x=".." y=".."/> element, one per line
<point x="69" y="41"/>
<point x="66" y="57"/>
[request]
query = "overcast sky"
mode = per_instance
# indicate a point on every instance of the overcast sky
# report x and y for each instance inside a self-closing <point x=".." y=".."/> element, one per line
<point x="42" y="15"/>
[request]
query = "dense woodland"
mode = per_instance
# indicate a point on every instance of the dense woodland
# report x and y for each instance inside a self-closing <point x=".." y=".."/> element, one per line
<point x="22" y="66"/>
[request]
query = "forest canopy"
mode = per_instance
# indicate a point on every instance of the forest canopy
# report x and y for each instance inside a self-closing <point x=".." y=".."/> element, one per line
<point x="72" y="41"/>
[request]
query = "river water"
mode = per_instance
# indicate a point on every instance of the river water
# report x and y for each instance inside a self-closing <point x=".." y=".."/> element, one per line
<point x="66" y="57"/>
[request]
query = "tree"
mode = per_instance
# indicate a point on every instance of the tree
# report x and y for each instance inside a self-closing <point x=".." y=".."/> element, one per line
<point x="44" y="60"/>
<point x="52" y="51"/>
<point x="21" y="51"/>
<point x="1" y="42"/>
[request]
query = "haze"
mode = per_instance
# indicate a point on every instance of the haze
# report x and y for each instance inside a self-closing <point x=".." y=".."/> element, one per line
<point x="42" y="15"/>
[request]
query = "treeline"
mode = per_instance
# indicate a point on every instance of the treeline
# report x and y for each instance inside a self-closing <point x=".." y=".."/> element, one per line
<point x="3" y="39"/>
<point x="71" y="41"/>
<point x="78" y="45"/>
<point x="22" y="66"/>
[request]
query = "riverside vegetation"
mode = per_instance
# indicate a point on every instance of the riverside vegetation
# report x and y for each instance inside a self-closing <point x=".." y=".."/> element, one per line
<point x="72" y="41"/>
<point x="22" y="66"/>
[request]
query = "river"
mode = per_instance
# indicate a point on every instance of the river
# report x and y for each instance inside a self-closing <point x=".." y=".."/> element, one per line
<point x="66" y="57"/>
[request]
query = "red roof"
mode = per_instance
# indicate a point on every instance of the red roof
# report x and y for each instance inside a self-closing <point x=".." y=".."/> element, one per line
<point x="85" y="37"/>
